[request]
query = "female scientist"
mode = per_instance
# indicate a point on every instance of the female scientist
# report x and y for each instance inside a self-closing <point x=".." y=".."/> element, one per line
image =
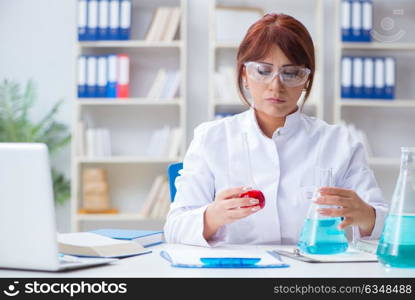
<point x="272" y="147"/>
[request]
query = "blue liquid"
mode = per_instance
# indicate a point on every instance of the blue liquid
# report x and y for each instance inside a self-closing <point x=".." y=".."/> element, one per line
<point x="321" y="236"/>
<point x="397" y="243"/>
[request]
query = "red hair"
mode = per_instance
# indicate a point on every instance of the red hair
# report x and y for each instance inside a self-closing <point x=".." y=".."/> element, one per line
<point x="284" y="31"/>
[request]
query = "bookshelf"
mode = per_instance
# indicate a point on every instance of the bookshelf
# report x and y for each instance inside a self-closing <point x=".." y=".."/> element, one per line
<point x="387" y="123"/>
<point x="131" y="121"/>
<point x="223" y="52"/>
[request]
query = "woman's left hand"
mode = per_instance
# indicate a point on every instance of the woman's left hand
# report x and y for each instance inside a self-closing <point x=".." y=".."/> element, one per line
<point x="354" y="210"/>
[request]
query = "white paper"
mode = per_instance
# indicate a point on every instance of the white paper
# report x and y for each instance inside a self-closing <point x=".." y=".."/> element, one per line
<point x="88" y="239"/>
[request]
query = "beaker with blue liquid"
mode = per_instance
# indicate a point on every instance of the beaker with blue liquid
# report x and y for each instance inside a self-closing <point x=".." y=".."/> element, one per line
<point x="320" y="234"/>
<point x="397" y="243"/>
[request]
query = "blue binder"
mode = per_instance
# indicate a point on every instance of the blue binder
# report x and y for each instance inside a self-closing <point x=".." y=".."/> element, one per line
<point x="357" y="29"/>
<point x="125" y="20"/>
<point x="346" y="77"/>
<point x="91" y="81"/>
<point x="114" y="20"/>
<point x="368" y="77"/>
<point x="92" y="23"/>
<point x="367" y="20"/>
<point x="112" y="76"/>
<point x="82" y="20"/>
<point x="82" y="76"/>
<point x="379" y="91"/>
<point x="346" y="20"/>
<point x="103" y="20"/>
<point x="357" y="82"/>
<point x="102" y="76"/>
<point x="390" y="74"/>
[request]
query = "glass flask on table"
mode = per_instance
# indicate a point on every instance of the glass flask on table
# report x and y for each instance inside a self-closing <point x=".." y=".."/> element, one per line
<point x="320" y="234"/>
<point x="397" y="243"/>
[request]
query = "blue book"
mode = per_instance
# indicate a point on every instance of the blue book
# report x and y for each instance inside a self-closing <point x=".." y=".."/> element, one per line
<point x="92" y="24"/>
<point x="145" y="238"/>
<point x="103" y="20"/>
<point x="82" y="20"/>
<point x="125" y="20"/>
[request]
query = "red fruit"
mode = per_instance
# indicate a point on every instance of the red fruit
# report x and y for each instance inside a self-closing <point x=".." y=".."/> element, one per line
<point x="255" y="194"/>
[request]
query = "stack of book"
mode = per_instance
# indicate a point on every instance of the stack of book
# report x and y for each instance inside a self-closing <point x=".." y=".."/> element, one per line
<point x="93" y="142"/>
<point x="164" y="24"/>
<point x="103" y="76"/>
<point x="165" y="142"/>
<point x="104" y="20"/>
<point x="157" y="203"/>
<point x="368" y="77"/>
<point x="165" y="85"/>
<point x="356" y="20"/>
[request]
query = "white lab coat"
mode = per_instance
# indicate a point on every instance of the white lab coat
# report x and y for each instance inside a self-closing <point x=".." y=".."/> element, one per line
<point x="282" y="168"/>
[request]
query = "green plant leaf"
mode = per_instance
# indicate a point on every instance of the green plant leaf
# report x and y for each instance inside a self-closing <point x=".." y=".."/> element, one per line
<point x="16" y="126"/>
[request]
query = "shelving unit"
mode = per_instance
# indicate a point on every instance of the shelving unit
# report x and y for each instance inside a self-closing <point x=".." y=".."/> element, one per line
<point x="393" y="122"/>
<point x="224" y="52"/>
<point x="131" y="121"/>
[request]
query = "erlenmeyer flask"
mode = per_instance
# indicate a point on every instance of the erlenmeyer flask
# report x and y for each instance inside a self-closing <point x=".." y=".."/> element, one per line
<point x="320" y="234"/>
<point x="397" y="242"/>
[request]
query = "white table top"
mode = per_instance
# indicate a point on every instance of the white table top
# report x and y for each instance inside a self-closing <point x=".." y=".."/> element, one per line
<point x="153" y="265"/>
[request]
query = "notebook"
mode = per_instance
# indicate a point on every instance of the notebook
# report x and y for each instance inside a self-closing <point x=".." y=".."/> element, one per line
<point x="351" y="255"/>
<point x="223" y="258"/>
<point x="87" y="244"/>
<point x="145" y="238"/>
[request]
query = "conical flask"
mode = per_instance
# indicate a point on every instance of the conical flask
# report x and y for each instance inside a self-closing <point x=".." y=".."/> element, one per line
<point x="397" y="242"/>
<point x="320" y="234"/>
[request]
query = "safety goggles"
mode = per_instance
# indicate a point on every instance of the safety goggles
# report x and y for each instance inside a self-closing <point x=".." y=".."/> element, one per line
<point x="290" y="76"/>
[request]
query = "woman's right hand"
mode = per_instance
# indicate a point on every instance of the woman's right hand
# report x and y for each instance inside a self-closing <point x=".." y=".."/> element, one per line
<point x="227" y="208"/>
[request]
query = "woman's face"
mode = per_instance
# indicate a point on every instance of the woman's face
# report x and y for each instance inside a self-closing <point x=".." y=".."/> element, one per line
<point x="273" y="98"/>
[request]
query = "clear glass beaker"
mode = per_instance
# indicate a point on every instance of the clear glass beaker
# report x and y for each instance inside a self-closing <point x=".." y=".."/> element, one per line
<point x="397" y="242"/>
<point x="320" y="234"/>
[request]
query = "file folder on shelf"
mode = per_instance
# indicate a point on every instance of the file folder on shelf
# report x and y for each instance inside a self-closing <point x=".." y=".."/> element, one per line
<point x="123" y="81"/>
<point x="102" y="77"/>
<point x="81" y="76"/>
<point x="368" y="77"/>
<point x="357" y="84"/>
<point x="125" y="20"/>
<point x="91" y="76"/>
<point x="92" y="23"/>
<point x="112" y="76"/>
<point x="114" y="20"/>
<point x="346" y="77"/>
<point x="103" y="20"/>
<point x="390" y="71"/>
<point x="82" y="20"/>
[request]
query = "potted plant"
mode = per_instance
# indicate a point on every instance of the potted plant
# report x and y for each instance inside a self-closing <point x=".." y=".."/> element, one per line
<point x="16" y="126"/>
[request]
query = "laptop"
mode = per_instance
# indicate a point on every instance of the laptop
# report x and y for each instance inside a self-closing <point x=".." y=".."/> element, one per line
<point x="27" y="215"/>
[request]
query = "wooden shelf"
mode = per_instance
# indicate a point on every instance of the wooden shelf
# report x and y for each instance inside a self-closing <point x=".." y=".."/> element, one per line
<point x="129" y="101"/>
<point x="379" y="46"/>
<point x="377" y="103"/>
<point x="126" y="160"/>
<point x="130" y="44"/>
